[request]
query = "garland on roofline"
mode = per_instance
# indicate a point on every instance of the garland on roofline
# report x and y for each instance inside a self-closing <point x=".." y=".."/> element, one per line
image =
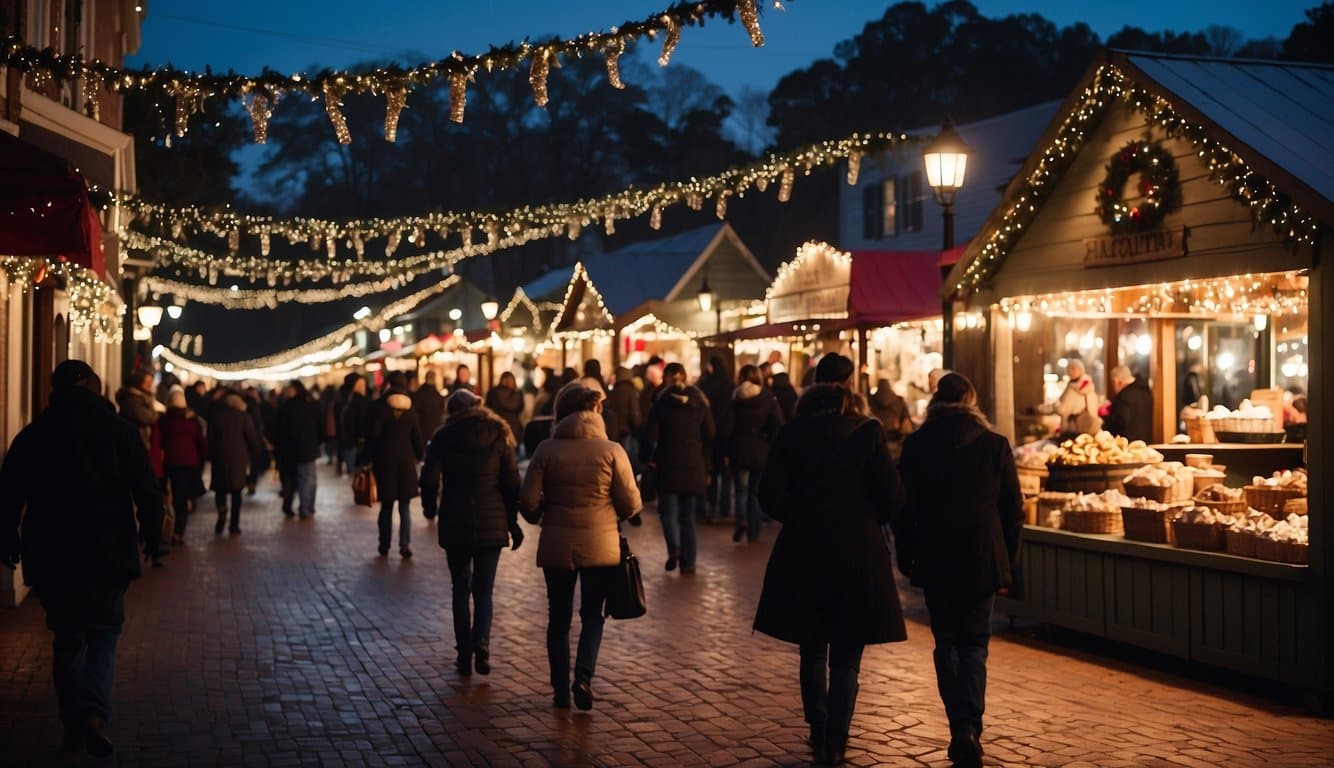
<point x="260" y="93"/>
<point x="92" y="303"/>
<point x="1268" y="205"/>
<point x="477" y="233"/>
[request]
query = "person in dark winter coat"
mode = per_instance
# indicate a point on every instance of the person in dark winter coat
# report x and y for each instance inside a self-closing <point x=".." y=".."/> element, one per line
<point x="623" y="400"/>
<point x="578" y="487"/>
<point x="506" y="401"/>
<point x="264" y="415"/>
<point x="1131" y="415"/>
<point x="429" y="405"/>
<point x="959" y="540"/>
<point x="750" y="424"/>
<point x="77" y="477"/>
<point x="786" y="396"/>
<point x="892" y="412"/>
<point x="296" y="443"/>
<point x="394" y="448"/>
<point x="137" y="406"/>
<point x="353" y="420"/>
<point x="471" y="468"/>
<point x="680" y="429"/>
<point x="328" y="424"/>
<point x="717" y="386"/>
<point x="233" y="444"/>
<point x="184" y="449"/>
<point x="829" y="585"/>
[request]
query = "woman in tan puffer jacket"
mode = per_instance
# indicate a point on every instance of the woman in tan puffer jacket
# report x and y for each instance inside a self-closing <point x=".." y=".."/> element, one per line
<point x="579" y="487"/>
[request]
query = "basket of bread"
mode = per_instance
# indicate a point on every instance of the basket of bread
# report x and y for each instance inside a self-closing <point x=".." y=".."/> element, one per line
<point x="1094" y="512"/>
<point x="1269" y="494"/>
<point x="1164" y="482"/>
<point x="1199" y="528"/>
<point x="1230" y="502"/>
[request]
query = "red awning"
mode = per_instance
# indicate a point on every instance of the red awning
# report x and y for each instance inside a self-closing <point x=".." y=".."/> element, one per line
<point x="951" y="257"/>
<point x="894" y="286"/>
<point x="44" y="207"/>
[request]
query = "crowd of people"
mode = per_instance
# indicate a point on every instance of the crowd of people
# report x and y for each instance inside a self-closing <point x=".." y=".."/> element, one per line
<point x="748" y="448"/>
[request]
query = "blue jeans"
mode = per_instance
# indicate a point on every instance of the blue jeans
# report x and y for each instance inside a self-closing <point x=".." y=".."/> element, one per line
<point x="305" y="487"/>
<point x="833" y="705"/>
<point x="387" y="522"/>
<point x="472" y="575"/>
<point x="961" y="625"/>
<point x="593" y="585"/>
<point x="721" y="493"/>
<point x="349" y="456"/>
<point x="86" y="622"/>
<point x="748" y="512"/>
<point x="678" y="524"/>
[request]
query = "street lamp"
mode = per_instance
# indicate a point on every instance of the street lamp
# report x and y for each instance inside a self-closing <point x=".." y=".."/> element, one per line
<point x="708" y="302"/>
<point x="150" y="315"/>
<point x="946" y="159"/>
<point x="490" y="308"/>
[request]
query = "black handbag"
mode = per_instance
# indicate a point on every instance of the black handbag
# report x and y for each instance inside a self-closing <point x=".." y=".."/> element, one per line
<point x="625" y="596"/>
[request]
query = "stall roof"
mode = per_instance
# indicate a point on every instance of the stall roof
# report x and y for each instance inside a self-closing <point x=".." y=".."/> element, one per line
<point x="890" y="287"/>
<point x="1283" y="111"/>
<point x="550" y="286"/>
<point x="648" y="269"/>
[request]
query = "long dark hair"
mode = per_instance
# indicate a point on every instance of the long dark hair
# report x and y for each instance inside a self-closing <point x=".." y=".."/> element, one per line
<point x="821" y="398"/>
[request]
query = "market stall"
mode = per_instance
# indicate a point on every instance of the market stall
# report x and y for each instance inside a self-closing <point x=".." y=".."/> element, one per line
<point x="1157" y="230"/>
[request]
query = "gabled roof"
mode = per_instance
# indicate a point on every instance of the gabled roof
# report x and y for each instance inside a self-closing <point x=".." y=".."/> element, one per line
<point x="648" y="269"/>
<point x="1283" y="112"/>
<point x="550" y="286"/>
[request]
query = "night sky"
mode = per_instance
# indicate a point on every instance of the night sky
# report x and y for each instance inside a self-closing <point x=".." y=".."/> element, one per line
<point x="246" y="35"/>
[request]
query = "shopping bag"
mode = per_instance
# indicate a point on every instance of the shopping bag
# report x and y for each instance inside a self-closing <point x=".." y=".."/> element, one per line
<point x="625" y="597"/>
<point x="363" y="487"/>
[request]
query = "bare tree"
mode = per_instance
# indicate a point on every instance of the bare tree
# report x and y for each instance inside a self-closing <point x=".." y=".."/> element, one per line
<point x="1223" y="41"/>
<point x="750" y="120"/>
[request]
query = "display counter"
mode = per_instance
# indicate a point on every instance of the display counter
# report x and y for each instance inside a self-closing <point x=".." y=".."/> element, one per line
<point x="1243" y="460"/>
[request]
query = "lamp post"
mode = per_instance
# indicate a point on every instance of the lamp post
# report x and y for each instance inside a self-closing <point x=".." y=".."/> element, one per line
<point x="490" y="309"/>
<point x="708" y="301"/>
<point x="946" y="159"/>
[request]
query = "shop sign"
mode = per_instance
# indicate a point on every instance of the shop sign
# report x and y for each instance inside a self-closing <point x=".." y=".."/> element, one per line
<point x="1136" y="248"/>
<point x="811" y="287"/>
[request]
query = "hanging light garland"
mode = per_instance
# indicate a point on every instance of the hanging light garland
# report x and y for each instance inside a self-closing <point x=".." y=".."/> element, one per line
<point x="92" y="303"/>
<point x="191" y="89"/>
<point x="507" y="229"/>
<point x="1268" y="205"/>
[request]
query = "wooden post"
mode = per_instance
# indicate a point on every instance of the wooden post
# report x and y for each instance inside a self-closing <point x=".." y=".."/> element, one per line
<point x="1320" y="409"/>
<point x="1163" y="378"/>
<point x="863" y="375"/>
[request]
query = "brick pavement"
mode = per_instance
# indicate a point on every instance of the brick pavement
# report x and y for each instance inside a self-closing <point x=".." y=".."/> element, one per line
<point x="293" y="644"/>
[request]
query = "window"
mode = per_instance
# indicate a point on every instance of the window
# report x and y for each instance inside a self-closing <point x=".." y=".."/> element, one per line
<point x="879" y="210"/>
<point x="912" y="202"/>
<point x="889" y="212"/>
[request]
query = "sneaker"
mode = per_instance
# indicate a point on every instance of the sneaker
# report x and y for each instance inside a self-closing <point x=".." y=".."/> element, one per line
<point x="483" y="660"/>
<point x="583" y="694"/>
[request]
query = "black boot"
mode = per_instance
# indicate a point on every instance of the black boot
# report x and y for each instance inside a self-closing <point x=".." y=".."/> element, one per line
<point x="95" y="735"/>
<point x="483" y="656"/>
<point x="222" y="521"/>
<point x="817" y="740"/>
<point x="583" y="691"/>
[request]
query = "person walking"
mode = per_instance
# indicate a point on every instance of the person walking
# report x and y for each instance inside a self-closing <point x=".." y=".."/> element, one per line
<point x="786" y="395"/>
<point x="717" y="386"/>
<point x="296" y="445"/>
<point x="578" y="487"/>
<point x="829" y="585"/>
<point x="353" y="420"/>
<point x="959" y="541"/>
<point x="328" y="424"/>
<point x="892" y="412"/>
<point x="184" y="449"/>
<point x="506" y="401"/>
<point x="471" y="480"/>
<point x="681" y="431"/>
<point x="750" y="424"/>
<point x="76" y="492"/>
<point x="233" y="444"/>
<point x="430" y="405"/>
<point x="394" y="447"/>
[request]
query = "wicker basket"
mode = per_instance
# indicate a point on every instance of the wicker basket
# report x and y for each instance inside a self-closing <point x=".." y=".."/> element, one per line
<point x="1030" y="480"/>
<point x="1086" y="521"/>
<point x="1238" y="424"/>
<point x="1205" y="478"/>
<point x="1229" y="508"/>
<point x="1147" y="524"/>
<point x="1200" y="431"/>
<point x="1240" y="543"/>
<point x="1199" y="460"/>
<point x="1051" y="502"/>
<point x="1295" y="506"/>
<point x="1281" y="551"/>
<point x="1203" y="536"/>
<point x="1269" y="499"/>
<point x="1182" y="490"/>
<point x="1089" y="478"/>
<point x="1030" y="510"/>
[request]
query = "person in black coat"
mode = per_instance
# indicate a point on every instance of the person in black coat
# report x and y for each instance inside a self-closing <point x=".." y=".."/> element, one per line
<point x="430" y="405"/>
<point x="506" y="401"/>
<point x="829" y="585"/>
<point x="717" y="386"/>
<point x="77" y="477"/>
<point x="1131" y="415"/>
<point x="353" y="420"/>
<point x="393" y="448"/>
<point x="297" y="437"/>
<point x="233" y="444"/>
<point x="786" y="395"/>
<point x="959" y="540"/>
<point x="750" y="424"/>
<point x="472" y="470"/>
<point x="680" y="430"/>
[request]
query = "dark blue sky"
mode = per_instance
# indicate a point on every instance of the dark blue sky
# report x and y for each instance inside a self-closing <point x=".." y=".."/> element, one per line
<point x="292" y="35"/>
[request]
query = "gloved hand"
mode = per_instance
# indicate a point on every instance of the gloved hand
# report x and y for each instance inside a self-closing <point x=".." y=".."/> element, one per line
<point x="516" y="536"/>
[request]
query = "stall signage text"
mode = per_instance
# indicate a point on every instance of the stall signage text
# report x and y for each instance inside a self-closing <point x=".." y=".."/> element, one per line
<point x="1158" y="245"/>
<point x="816" y="287"/>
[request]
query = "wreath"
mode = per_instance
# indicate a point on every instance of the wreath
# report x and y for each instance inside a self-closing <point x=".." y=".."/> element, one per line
<point x="1158" y="185"/>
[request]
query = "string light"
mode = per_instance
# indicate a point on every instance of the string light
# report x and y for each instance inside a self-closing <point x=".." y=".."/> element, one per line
<point x="92" y="303"/>
<point x="190" y="89"/>
<point x="580" y="275"/>
<point x="1277" y="294"/>
<point x="1294" y="226"/>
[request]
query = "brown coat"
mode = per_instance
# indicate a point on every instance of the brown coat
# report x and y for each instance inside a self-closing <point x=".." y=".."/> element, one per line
<point x="579" y="486"/>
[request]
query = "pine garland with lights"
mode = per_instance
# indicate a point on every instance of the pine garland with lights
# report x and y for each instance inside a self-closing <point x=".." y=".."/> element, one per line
<point x="92" y="302"/>
<point x="1295" y="226"/>
<point x="1158" y="184"/>
<point x="191" y="89"/>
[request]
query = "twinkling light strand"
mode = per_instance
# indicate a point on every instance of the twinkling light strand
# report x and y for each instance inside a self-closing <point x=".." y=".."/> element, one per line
<point x="92" y="303"/>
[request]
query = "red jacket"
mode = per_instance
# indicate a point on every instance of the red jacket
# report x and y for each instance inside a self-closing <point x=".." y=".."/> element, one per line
<point x="183" y="442"/>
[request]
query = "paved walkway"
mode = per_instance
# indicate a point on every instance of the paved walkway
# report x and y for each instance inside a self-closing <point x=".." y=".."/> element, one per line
<point x="293" y="644"/>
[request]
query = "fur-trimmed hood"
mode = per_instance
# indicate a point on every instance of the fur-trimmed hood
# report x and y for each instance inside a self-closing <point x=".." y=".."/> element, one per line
<point x="680" y="397"/>
<point x="747" y="391"/>
<point x="399" y="401"/>
<point x="583" y="425"/>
